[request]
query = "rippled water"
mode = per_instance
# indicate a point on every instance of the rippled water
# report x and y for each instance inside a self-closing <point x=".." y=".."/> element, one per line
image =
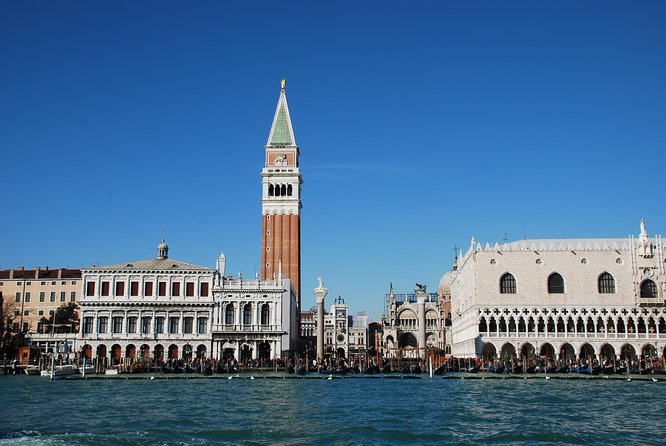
<point x="35" y="410"/>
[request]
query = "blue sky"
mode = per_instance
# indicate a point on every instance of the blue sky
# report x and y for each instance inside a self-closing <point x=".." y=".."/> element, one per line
<point x="421" y="124"/>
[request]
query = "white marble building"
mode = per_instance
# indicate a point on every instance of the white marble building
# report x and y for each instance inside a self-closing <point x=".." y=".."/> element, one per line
<point x="336" y="330"/>
<point x="156" y="309"/>
<point x="600" y="298"/>
<point x="413" y="323"/>
<point x="253" y="319"/>
<point x="163" y="309"/>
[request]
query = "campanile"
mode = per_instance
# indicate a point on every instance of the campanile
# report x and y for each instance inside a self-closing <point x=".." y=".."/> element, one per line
<point x="281" y="201"/>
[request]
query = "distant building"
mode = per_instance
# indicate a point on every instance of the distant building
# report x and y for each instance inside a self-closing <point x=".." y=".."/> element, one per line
<point x="358" y="335"/>
<point x="345" y="336"/>
<point x="308" y="332"/>
<point x="253" y="320"/>
<point x="34" y="295"/>
<point x="156" y="309"/>
<point x="402" y="325"/>
<point x="561" y="299"/>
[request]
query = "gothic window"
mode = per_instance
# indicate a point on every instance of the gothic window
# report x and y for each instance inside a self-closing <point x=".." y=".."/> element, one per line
<point x="649" y="289"/>
<point x="265" y="314"/>
<point x="606" y="283"/>
<point x="270" y="190"/>
<point x="289" y="190"/>
<point x="555" y="284"/>
<point x="229" y="315"/>
<point x="247" y="314"/>
<point x="283" y="192"/>
<point x="508" y="284"/>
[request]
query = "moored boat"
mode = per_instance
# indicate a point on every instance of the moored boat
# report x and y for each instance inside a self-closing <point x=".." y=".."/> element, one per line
<point x="496" y="369"/>
<point x="640" y="370"/>
<point x="61" y="370"/>
<point x="32" y="370"/>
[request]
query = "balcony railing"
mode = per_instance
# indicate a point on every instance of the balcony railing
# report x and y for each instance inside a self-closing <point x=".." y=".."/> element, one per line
<point x="218" y="328"/>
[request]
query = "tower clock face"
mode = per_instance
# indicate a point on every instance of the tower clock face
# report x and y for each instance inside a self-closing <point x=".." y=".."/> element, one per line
<point x="341" y="338"/>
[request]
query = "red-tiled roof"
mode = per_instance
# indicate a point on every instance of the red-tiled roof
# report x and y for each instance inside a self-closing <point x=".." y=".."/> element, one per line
<point x="28" y="274"/>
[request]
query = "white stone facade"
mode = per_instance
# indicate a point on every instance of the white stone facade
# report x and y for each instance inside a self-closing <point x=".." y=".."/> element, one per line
<point x="601" y="298"/>
<point x="153" y="310"/>
<point x="402" y="326"/>
<point x="254" y="320"/>
<point x="336" y="330"/>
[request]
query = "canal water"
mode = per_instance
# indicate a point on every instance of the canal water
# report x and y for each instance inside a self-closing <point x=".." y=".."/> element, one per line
<point x="36" y="411"/>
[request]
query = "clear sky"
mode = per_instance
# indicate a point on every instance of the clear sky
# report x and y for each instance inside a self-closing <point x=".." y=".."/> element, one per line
<point x="420" y="124"/>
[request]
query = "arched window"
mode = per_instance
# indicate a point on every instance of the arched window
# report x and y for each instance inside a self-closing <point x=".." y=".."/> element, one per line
<point x="265" y="314"/>
<point x="555" y="284"/>
<point x="289" y="190"/>
<point x="606" y="283"/>
<point x="229" y="315"/>
<point x="277" y="190"/>
<point x="247" y="314"/>
<point x="508" y="284"/>
<point x="270" y="190"/>
<point x="649" y="289"/>
<point x="283" y="192"/>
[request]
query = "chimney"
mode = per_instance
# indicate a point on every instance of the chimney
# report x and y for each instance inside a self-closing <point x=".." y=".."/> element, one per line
<point x="37" y="272"/>
<point x="46" y="268"/>
<point x="21" y="268"/>
<point x="60" y="273"/>
<point x="11" y="274"/>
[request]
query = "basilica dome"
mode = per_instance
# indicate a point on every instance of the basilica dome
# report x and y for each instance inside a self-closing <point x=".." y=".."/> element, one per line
<point x="445" y="283"/>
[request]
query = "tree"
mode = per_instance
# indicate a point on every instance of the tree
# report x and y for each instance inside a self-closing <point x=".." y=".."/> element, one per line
<point x="10" y="340"/>
<point x="65" y="319"/>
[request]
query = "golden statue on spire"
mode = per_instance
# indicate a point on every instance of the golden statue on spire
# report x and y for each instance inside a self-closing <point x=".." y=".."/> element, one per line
<point x="283" y="83"/>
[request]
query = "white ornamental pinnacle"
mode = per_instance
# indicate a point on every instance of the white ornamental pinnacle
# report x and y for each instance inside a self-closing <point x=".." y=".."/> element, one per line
<point x="644" y="243"/>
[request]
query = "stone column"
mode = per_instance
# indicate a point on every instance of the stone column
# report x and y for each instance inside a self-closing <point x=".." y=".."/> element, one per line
<point x="320" y="293"/>
<point x="420" y="305"/>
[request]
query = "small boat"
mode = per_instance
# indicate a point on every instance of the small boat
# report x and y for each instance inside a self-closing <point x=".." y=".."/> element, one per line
<point x="562" y="369"/>
<point x="373" y="369"/>
<point x="32" y="370"/>
<point x="550" y="369"/>
<point x="498" y="369"/>
<point x="607" y="370"/>
<point x="300" y="370"/>
<point x="595" y="370"/>
<point x="416" y="369"/>
<point x="439" y="370"/>
<point x="621" y="369"/>
<point x="640" y="370"/>
<point x="111" y="372"/>
<point x="61" y="370"/>
<point x="474" y="369"/>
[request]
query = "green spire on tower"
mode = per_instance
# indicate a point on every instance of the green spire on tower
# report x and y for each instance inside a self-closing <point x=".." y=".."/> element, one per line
<point x="282" y="132"/>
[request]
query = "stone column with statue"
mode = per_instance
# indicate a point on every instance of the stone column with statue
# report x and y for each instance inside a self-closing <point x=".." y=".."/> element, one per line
<point x="421" y="295"/>
<point x="320" y="293"/>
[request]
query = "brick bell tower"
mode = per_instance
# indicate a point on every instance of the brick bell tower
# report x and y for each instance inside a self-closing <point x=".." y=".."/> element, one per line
<point x="281" y="201"/>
